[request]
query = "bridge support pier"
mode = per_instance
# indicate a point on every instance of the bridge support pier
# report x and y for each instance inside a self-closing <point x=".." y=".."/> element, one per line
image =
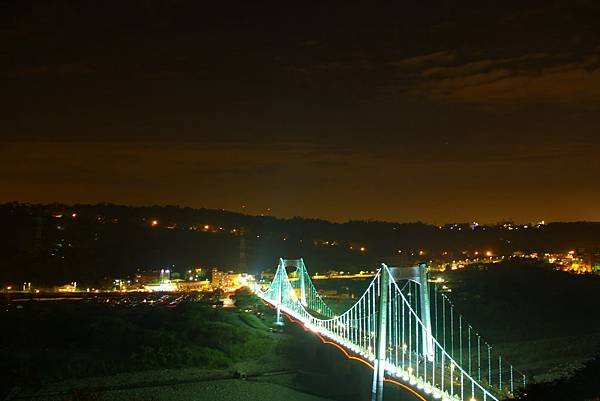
<point x="380" y="336"/>
<point x="278" y="320"/>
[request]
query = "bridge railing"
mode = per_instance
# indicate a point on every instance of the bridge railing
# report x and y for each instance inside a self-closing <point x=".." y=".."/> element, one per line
<point x="468" y="346"/>
<point x="463" y="342"/>
<point x="435" y="370"/>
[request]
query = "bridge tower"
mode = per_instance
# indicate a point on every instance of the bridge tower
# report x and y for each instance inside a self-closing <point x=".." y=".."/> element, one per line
<point x="278" y="278"/>
<point x="379" y="364"/>
<point x="302" y="275"/>
<point x="300" y="267"/>
<point x="418" y="274"/>
<point x="278" y="320"/>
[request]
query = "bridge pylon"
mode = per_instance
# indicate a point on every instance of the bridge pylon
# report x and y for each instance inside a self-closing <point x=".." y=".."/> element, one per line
<point x="381" y="338"/>
<point x="303" y="286"/>
<point x="300" y="269"/>
<point x="418" y="274"/>
<point x="301" y="272"/>
<point x="279" y="290"/>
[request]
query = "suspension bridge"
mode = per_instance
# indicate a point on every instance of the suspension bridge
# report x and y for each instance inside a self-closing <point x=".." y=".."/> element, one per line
<point x="405" y="329"/>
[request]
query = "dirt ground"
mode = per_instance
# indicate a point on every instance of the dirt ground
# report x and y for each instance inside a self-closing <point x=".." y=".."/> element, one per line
<point x="159" y="386"/>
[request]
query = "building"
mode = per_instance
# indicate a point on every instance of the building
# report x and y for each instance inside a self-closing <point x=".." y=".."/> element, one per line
<point x="71" y="287"/>
<point x="224" y="280"/>
<point x="590" y="258"/>
<point x="162" y="287"/>
<point x="144" y="277"/>
<point x="156" y="280"/>
<point x="595" y="260"/>
<point x="229" y="280"/>
<point x="188" y="286"/>
<point x="267" y="275"/>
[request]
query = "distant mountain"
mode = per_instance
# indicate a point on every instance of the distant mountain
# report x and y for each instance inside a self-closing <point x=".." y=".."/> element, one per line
<point x="53" y="243"/>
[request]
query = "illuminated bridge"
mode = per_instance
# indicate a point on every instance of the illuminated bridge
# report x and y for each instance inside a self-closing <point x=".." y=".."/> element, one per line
<point x="405" y="329"/>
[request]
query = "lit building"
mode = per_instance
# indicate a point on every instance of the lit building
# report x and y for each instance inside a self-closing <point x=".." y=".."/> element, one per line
<point x="595" y="260"/>
<point x="187" y="286"/>
<point x="166" y="287"/>
<point x="121" y="284"/>
<point x="267" y="276"/>
<point x="163" y="283"/>
<point x="71" y="287"/>
<point x="143" y="277"/>
<point x="196" y="274"/>
<point x="230" y="280"/>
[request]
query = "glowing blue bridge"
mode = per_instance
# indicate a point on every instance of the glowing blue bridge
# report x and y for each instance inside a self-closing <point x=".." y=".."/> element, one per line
<point x="405" y="328"/>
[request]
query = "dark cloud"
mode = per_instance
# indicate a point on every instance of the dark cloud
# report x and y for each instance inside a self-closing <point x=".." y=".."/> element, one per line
<point x="405" y="111"/>
<point x="506" y="82"/>
<point x="437" y="58"/>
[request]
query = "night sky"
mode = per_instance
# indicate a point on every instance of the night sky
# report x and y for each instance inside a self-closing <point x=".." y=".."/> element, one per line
<point x="459" y="111"/>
